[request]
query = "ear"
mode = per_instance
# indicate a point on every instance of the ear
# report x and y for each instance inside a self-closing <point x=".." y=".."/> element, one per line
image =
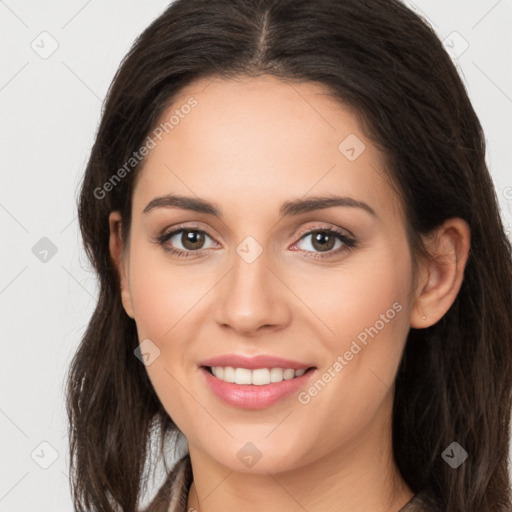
<point x="440" y="279"/>
<point x="118" y="257"/>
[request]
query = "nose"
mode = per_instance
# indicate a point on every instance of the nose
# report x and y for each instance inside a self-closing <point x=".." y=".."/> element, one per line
<point x="252" y="297"/>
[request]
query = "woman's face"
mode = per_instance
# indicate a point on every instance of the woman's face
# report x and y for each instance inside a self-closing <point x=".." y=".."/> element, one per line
<point x="276" y="273"/>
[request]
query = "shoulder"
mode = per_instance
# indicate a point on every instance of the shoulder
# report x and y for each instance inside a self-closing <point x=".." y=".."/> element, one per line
<point x="173" y="495"/>
<point x="424" y="501"/>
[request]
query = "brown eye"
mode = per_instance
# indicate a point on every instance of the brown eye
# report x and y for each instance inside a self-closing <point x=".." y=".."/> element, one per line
<point x="322" y="241"/>
<point x="192" y="240"/>
<point x="185" y="242"/>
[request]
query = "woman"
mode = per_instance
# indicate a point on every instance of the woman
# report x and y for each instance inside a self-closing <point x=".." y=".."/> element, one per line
<point x="303" y="271"/>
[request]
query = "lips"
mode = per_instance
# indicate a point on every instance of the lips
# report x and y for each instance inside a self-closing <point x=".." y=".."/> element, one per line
<point x="255" y="362"/>
<point x="251" y="396"/>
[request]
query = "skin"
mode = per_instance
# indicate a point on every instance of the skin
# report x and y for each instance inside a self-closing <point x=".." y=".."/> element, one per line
<point x="248" y="146"/>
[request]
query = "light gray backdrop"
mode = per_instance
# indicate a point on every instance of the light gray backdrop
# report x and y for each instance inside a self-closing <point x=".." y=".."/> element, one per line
<point x="57" y="60"/>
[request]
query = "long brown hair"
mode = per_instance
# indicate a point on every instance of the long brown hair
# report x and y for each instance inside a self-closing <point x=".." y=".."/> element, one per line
<point x="455" y="379"/>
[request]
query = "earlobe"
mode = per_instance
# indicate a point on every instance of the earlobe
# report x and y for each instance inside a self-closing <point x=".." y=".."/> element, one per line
<point x="441" y="278"/>
<point x="117" y="256"/>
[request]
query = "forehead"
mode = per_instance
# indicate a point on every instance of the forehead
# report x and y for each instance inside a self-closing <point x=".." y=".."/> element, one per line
<point x="261" y="140"/>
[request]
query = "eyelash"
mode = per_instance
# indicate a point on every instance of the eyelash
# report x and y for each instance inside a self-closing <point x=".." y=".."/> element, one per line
<point x="348" y="242"/>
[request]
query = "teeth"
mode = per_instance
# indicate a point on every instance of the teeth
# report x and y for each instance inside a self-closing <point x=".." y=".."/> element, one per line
<point x="243" y="376"/>
<point x="258" y="377"/>
<point x="229" y="374"/>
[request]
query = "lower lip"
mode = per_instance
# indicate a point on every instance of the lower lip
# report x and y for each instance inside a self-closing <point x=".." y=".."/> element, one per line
<point x="249" y="396"/>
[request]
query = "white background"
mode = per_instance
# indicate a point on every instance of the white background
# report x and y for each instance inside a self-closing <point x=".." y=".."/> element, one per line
<point x="49" y="112"/>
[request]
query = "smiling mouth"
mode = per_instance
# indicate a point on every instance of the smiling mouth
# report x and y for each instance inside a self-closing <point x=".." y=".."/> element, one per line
<point x="256" y="377"/>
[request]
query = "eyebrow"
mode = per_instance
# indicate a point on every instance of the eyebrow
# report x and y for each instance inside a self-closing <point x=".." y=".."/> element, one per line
<point x="288" y="208"/>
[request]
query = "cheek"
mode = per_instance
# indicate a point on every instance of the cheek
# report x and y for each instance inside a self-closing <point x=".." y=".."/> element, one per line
<point x="337" y="308"/>
<point x="163" y="293"/>
<point x="367" y="308"/>
<point x="363" y="300"/>
<point x="365" y="305"/>
<point x="368" y="293"/>
<point x="166" y="301"/>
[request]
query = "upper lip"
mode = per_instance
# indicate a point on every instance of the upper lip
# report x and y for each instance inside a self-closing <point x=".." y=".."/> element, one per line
<point x="254" y="362"/>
